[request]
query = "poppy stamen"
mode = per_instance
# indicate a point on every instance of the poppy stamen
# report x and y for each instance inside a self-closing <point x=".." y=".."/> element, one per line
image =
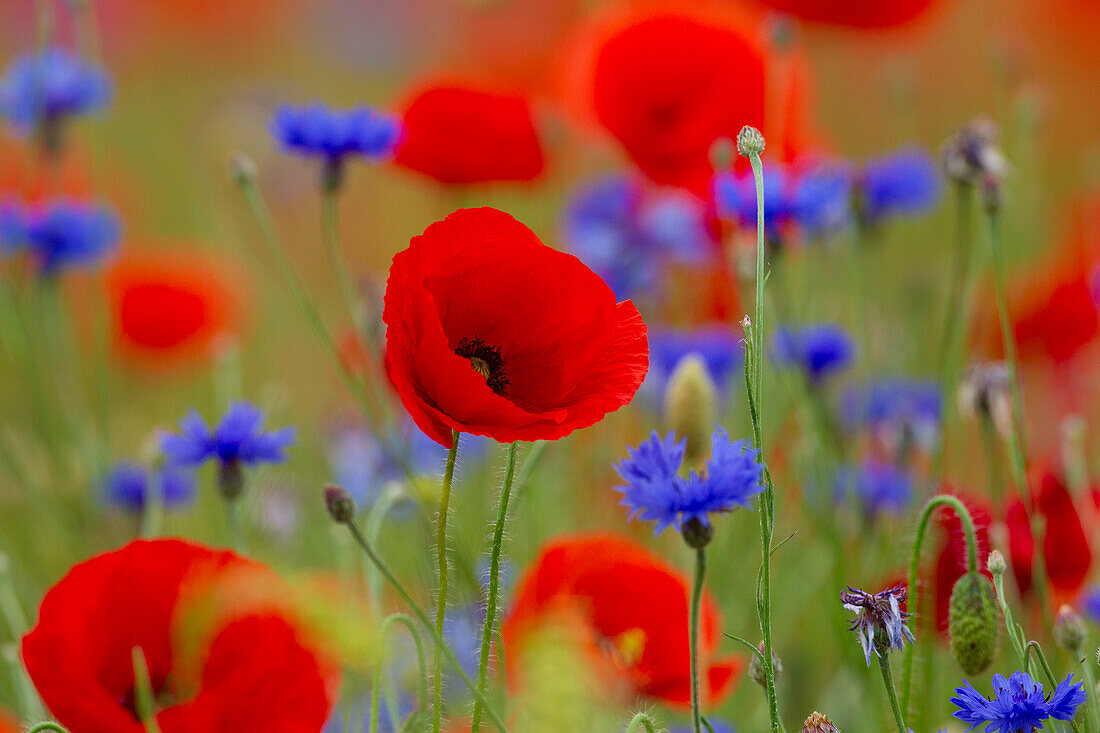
<point x="486" y="361"/>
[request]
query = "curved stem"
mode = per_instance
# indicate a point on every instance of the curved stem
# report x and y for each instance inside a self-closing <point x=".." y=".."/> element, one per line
<point x="50" y="726"/>
<point x="1042" y="657"/>
<point x="693" y="636"/>
<point x="441" y="558"/>
<point x="421" y="661"/>
<point x="487" y="630"/>
<point x="641" y="721"/>
<point x="914" y="565"/>
<point x="422" y="616"/>
<point x="888" y="680"/>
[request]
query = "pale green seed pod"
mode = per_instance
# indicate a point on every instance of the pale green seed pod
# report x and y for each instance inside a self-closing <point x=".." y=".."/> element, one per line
<point x="691" y="406"/>
<point x="973" y="623"/>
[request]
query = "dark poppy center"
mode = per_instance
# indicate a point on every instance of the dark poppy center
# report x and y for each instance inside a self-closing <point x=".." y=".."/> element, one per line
<point x="486" y="361"/>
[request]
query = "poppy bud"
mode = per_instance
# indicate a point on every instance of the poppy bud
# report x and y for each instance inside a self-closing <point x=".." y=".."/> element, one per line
<point x="750" y="141"/>
<point x="756" y="670"/>
<point x="972" y="623"/>
<point x="818" y="723"/>
<point x="230" y="479"/>
<point x="1069" y="630"/>
<point x="690" y="406"/>
<point x="996" y="564"/>
<point x="341" y="507"/>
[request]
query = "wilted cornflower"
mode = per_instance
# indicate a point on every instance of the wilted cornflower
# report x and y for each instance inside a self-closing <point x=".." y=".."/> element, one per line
<point x="971" y="154"/>
<point x="334" y="135"/>
<point x="654" y="490"/>
<point x="984" y="394"/>
<point x="819" y="350"/>
<point x="128" y="485"/>
<point x="902" y="183"/>
<point x="239" y="438"/>
<point x="60" y="234"/>
<point x="41" y="90"/>
<point x="719" y="346"/>
<point x="895" y="410"/>
<point x="879" y="621"/>
<point x="629" y="235"/>
<point x="879" y="486"/>
<point x="1018" y="704"/>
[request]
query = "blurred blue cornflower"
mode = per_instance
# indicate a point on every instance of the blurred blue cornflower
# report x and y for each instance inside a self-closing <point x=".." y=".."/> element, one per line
<point x="719" y="346"/>
<point x="1090" y="604"/>
<point x="902" y="183"/>
<point x="44" y="88"/>
<point x="59" y="234"/>
<point x="654" y="490"/>
<point x="1018" y="704"/>
<point x="879" y="486"/>
<point x="128" y="485"/>
<point x="735" y="197"/>
<point x="628" y="235"/>
<point x="317" y="130"/>
<point x="238" y="438"/>
<point x="355" y="716"/>
<point x="879" y="621"/>
<point x="895" y="410"/>
<point x="818" y="350"/>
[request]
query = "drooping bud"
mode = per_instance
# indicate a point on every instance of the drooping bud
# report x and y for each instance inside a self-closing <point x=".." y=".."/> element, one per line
<point x="230" y="479"/>
<point x="750" y="141"/>
<point x="756" y="669"/>
<point x="984" y="394"/>
<point x="691" y="401"/>
<point x="973" y="624"/>
<point x="340" y="505"/>
<point x="819" y="723"/>
<point x="696" y="534"/>
<point x="996" y="564"/>
<point x="1069" y="630"/>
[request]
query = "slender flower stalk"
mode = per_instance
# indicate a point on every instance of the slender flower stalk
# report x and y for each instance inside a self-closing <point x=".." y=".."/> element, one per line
<point x="488" y="631"/>
<point x="693" y="635"/>
<point x="421" y="660"/>
<point x="330" y="229"/>
<point x="143" y="692"/>
<point x="888" y="680"/>
<point x="441" y="558"/>
<point x="750" y="143"/>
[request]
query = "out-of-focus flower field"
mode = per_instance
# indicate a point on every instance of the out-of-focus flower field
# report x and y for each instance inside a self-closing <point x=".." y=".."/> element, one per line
<point x="549" y="365"/>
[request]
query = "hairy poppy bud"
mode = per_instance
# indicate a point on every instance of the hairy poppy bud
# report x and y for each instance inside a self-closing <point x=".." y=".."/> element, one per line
<point x="972" y="623"/>
<point x="339" y="503"/>
<point x="750" y="141"/>
<point x="818" y="723"/>
<point x="690" y="406"/>
<point x="1069" y="630"/>
<point x="756" y="669"/>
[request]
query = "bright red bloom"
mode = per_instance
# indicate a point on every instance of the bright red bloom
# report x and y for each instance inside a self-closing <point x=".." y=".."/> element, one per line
<point x="854" y="13"/>
<point x="667" y="84"/>
<point x="253" y="671"/>
<point x="1066" y="543"/>
<point x="635" y="608"/>
<point x="460" y="135"/>
<point x="952" y="558"/>
<point x="166" y="308"/>
<point x="491" y="332"/>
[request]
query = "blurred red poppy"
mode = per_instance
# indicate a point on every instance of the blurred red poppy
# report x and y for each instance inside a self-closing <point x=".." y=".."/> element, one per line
<point x="951" y="560"/>
<point x="8" y="723"/>
<point x="854" y="13"/>
<point x="635" y="608"/>
<point x="255" y="672"/>
<point x="461" y="135"/>
<point x="1066" y="548"/>
<point x="168" y="308"/>
<point x="668" y="83"/>
<point x="491" y="332"/>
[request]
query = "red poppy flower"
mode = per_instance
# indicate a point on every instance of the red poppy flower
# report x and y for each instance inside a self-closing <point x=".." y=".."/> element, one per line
<point x="491" y="332"/>
<point x="166" y="307"/>
<point x="951" y="561"/>
<point x="460" y="135"/>
<point x="854" y="13"/>
<point x="644" y="640"/>
<point x="667" y="84"/>
<point x="1066" y="542"/>
<point x="253" y="671"/>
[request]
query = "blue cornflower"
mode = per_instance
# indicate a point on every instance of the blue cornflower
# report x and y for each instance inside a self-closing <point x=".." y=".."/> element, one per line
<point x="46" y="87"/>
<point x="879" y="621"/>
<point x="1090" y="604"/>
<point x="823" y="199"/>
<point x="128" y="485"/>
<point x="719" y="346"/>
<point x="818" y="350"/>
<point x="879" y="486"/>
<point x="1019" y="704"/>
<point x="735" y="197"/>
<point x="654" y="490"/>
<point x="60" y="234"/>
<point x="905" y="182"/>
<point x="628" y="235"/>
<point x="317" y="130"/>
<point x="895" y="410"/>
<point x="238" y="438"/>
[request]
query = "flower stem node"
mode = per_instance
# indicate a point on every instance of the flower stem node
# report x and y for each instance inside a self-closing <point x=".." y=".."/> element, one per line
<point x="973" y="624"/>
<point x="996" y="564"/>
<point x="340" y="504"/>
<point x="230" y="479"/>
<point x="750" y="141"/>
<point x="691" y="406"/>
<point x="819" y="723"/>
<point x="696" y="534"/>
<point x="1069" y="631"/>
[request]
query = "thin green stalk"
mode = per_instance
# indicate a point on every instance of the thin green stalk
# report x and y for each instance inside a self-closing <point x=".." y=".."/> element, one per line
<point x="693" y="636"/>
<point x="487" y="630"/>
<point x="1015" y="632"/>
<point x="641" y="721"/>
<point x="330" y="225"/>
<point x="888" y="680"/>
<point x="914" y="566"/>
<point x="441" y="558"/>
<point x="422" y="667"/>
<point x="143" y="692"/>
<point x="422" y="616"/>
<point x="152" y="511"/>
<point x="1049" y="672"/>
